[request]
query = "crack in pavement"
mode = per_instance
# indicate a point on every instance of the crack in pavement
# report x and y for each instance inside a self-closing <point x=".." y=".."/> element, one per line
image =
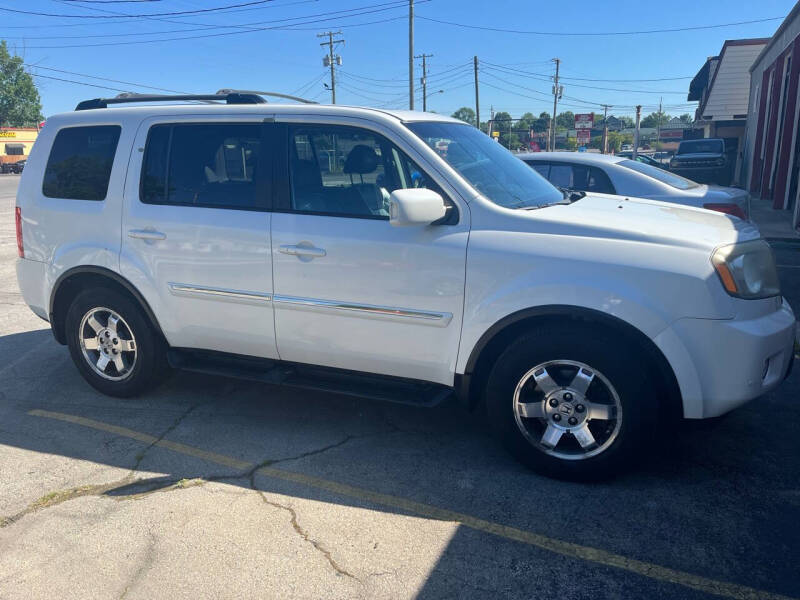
<point x="296" y="525"/>
<point x="140" y="455"/>
<point x="149" y="559"/>
<point x="60" y="496"/>
<point x="57" y="497"/>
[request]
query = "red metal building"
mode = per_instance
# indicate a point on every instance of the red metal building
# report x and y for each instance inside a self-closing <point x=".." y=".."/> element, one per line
<point x="772" y="144"/>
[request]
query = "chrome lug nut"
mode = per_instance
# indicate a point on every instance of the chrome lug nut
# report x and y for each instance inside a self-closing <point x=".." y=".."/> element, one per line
<point x="571" y="420"/>
<point x="553" y="402"/>
<point x="556" y="417"/>
<point x="580" y="408"/>
<point x="567" y="396"/>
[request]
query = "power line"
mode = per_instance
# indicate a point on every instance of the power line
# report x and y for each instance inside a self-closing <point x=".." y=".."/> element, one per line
<point x="166" y="20"/>
<point x="141" y="85"/>
<point x="104" y="87"/>
<point x="388" y="5"/>
<point x="519" y="73"/>
<point x="592" y="79"/>
<point x="165" y="14"/>
<point x="603" y="33"/>
<point x="228" y="33"/>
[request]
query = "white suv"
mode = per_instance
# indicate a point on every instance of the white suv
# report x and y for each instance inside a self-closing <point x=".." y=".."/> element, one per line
<point x="398" y="255"/>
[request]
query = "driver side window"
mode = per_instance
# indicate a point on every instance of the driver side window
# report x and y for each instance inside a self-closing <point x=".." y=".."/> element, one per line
<point x="346" y="171"/>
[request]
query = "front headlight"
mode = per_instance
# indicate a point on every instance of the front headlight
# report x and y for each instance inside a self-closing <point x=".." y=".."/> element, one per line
<point x="747" y="270"/>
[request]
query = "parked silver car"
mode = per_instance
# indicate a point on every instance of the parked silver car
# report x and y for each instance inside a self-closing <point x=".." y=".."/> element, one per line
<point x="602" y="173"/>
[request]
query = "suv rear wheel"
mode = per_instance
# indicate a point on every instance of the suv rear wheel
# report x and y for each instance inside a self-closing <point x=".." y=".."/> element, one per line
<point x="113" y="344"/>
<point x="572" y="402"/>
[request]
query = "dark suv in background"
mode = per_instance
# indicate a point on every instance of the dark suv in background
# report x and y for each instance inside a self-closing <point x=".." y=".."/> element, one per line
<point x="704" y="161"/>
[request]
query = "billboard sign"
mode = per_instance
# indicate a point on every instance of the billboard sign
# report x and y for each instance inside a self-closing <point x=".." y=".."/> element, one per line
<point x="584" y="136"/>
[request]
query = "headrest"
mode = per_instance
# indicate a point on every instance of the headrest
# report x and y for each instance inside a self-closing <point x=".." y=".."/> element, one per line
<point x="361" y="159"/>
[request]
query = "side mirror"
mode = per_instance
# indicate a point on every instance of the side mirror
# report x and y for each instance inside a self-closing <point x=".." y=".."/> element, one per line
<point x="415" y="206"/>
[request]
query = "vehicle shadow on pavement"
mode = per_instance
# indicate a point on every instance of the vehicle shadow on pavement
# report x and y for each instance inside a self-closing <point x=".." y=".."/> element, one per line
<point x="719" y="501"/>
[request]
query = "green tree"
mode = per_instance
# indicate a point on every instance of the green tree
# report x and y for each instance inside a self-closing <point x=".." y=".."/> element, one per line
<point x="502" y="122"/>
<point x="656" y="119"/>
<point x="526" y="122"/>
<point x="616" y="139"/>
<point x="19" y="98"/>
<point x="566" y="120"/>
<point x="510" y="141"/>
<point x="687" y="118"/>
<point x="572" y="144"/>
<point x="466" y="114"/>
<point x="542" y="123"/>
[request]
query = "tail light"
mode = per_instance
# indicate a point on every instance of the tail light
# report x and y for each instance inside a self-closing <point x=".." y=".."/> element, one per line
<point x="728" y="209"/>
<point x="20" y="247"/>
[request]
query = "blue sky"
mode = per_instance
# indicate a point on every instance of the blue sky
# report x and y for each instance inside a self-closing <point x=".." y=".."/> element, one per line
<point x="515" y="66"/>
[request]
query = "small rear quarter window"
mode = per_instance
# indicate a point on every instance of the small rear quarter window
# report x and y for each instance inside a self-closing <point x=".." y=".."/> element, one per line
<point x="79" y="166"/>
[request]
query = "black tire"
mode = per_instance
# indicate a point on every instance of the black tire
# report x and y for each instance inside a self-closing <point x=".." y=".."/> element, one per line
<point x="619" y="363"/>
<point x="150" y="365"/>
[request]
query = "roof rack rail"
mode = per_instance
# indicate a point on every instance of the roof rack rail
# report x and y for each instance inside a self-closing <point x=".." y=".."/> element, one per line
<point x="230" y="98"/>
<point x="228" y="95"/>
<point x="270" y="94"/>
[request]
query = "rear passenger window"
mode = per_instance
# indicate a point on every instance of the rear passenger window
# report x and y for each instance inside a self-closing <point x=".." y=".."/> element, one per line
<point x="79" y="166"/>
<point x="213" y="165"/>
<point x="599" y="182"/>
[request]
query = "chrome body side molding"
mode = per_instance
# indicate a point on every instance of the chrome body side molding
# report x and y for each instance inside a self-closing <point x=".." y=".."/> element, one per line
<point x="436" y="319"/>
<point x="208" y="293"/>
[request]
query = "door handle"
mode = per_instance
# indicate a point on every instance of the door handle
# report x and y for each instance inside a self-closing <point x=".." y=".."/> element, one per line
<point x="146" y="234"/>
<point x="310" y="251"/>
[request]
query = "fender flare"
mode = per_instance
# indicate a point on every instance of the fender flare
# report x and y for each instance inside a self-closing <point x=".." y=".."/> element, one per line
<point x="463" y="383"/>
<point x="58" y="331"/>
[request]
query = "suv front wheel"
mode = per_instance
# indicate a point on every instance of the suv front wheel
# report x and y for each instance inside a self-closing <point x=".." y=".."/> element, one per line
<point x="572" y="402"/>
<point x="113" y="344"/>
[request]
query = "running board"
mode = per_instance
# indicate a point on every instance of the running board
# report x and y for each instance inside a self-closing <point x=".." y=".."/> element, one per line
<point x="310" y="377"/>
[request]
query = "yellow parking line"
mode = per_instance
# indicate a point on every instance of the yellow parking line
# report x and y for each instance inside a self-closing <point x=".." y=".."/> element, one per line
<point x="569" y="549"/>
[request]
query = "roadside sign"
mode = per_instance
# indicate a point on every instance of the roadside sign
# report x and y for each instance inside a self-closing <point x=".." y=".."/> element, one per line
<point x="495" y="134"/>
<point x="584" y="121"/>
<point x="584" y="136"/>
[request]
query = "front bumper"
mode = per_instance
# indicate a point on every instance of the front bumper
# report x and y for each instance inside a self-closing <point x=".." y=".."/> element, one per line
<point x="721" y="364"/>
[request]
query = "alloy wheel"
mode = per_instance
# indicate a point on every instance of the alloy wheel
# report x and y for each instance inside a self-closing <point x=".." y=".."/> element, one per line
<point x="107" y="343"/>
<point x="567" y="409"/>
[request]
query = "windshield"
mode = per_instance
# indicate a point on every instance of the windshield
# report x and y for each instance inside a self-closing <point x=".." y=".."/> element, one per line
<point x="708" y="146"/>
<point x="663" y="176"/>
<point x="491" y="169"/>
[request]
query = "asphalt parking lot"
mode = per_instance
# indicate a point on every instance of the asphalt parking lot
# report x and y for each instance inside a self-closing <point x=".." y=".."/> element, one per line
<point x="215" y="488"/>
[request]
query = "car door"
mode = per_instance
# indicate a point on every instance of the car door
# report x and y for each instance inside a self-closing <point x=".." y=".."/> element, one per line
<point x="352" y="291"/>
<point x="195" y="236"/>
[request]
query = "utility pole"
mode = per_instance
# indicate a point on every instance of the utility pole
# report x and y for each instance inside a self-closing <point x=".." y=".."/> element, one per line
<point x="331" y="59"/>
<point x="636" y="131"/>
<point x="424" y="80"/>
<point x="477" y="101"/>
<point x="411" y="54"/>
<point x="605" y="129"/>
<point x="658" y="125"/>
<point x="557" y="92"/>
